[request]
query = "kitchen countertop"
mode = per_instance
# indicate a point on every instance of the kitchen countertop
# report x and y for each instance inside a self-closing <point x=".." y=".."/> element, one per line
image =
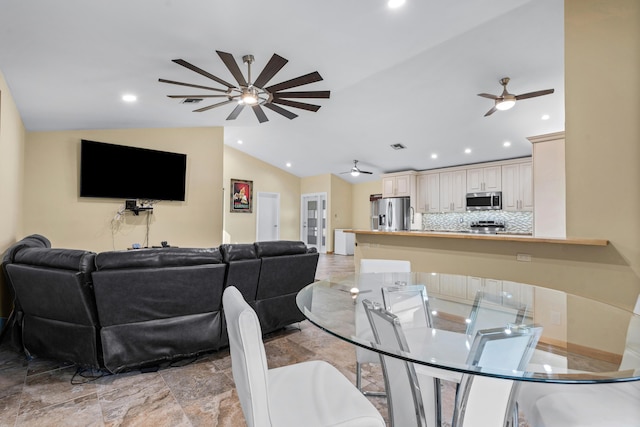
<point x="494" y="237"/>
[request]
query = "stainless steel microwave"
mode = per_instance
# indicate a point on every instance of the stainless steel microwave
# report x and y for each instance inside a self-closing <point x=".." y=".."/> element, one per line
<point x="484" y="201"/>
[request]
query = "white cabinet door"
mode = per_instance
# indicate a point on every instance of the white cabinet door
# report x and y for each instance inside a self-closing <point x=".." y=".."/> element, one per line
<point x="455" y="286"/>
<point x="403" y="186"/>
<point x="388" y="186"/>
<point x="453" y="191"/>
<point x="484" y="179"/>
<point x="517" y="187"/>
<point x="398" y="185"/>
<point x="428" y="193"/>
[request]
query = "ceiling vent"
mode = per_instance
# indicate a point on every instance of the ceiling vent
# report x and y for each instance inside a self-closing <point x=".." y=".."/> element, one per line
<point x="398" y="146"/>
<point x="191" y="100"/>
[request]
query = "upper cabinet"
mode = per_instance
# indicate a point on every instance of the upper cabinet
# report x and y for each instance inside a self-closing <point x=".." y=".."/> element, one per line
<point x="484" y="179"/>
<point x="399" y="185"/>
<point x="428" y="193"/>
<point x="517" y="187"/>
<point x="453" y="186"/>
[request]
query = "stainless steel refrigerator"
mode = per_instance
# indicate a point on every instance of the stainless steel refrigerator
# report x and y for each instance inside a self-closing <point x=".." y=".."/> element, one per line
<point x="390" y="214"/>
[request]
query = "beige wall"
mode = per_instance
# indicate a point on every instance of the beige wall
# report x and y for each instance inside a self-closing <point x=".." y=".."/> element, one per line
<point x="53" y="208"/>
<point x="241" y="227"/>
<point x="361" y="205"/>
<point x="12" y="137"/>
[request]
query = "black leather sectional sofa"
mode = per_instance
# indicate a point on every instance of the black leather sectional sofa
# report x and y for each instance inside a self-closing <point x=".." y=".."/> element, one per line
<point x="121" y="310"/>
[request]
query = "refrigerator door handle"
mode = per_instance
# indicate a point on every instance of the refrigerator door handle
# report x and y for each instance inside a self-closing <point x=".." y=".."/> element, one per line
<point x="389" y="215"/>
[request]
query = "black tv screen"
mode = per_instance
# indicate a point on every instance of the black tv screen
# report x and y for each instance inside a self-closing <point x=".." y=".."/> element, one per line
<point x="121" y="172"/>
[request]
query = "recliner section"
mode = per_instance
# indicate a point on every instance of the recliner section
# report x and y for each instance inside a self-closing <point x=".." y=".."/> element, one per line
<point x="120" y="310"/>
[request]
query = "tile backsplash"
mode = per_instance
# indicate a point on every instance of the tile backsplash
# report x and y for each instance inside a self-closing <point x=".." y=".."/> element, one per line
<point x="515" y="222"/>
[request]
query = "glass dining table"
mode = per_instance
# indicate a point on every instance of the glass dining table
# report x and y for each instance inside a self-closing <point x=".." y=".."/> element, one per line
<point x="581" y="341"/>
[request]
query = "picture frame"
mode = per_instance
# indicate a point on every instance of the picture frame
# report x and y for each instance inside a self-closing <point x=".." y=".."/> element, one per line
<point x="241" y="196"/>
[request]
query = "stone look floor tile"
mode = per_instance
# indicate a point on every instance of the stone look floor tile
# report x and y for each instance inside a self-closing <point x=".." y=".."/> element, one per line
<point x="83" y="411"/>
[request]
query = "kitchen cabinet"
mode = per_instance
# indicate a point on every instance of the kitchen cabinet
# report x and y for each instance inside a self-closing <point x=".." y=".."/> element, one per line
<point x="453" y="285"/>
<point x="398" y="185"/>
<point x="428" y="193"/>
<point x="517" y="187"/>
<point x="484" y="179"/>
<point x="453" y="191"/>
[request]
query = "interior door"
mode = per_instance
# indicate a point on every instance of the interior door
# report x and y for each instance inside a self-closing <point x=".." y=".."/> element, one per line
<point x="268" y="217"/>
<point x="313" y="221"/>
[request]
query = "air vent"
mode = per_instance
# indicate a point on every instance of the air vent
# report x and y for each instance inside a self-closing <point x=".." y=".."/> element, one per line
<point x="398" y="146"/>
<point x="191" y="100"/>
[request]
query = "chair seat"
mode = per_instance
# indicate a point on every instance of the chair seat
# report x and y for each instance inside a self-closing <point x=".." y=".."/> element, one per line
<point x="316" y="394"/>
<point x="589" y="406"/>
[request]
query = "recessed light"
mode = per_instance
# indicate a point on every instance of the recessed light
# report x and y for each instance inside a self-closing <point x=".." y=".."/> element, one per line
<point x="288" y="164"/>
<point x="467" y="150"/>
<point x="240" y="141"/>
<point x="129" y="98"/>
<point x="434" y="156"/>
<point x="507" y="144"/>
<point x="394" y="4"/>
<point x="545" y="117"/>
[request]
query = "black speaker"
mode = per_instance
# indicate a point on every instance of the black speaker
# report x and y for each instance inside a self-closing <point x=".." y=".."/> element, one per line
<point x="131" y="204"/>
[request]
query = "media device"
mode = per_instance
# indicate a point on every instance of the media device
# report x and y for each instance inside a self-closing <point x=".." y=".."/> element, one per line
<point x="122" y="172"/>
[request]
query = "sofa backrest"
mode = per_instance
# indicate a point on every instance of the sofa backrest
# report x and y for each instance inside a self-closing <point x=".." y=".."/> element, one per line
<point x="243" y="268"/>
<point x="287" y="266"/>
<point x="54" y="283"/>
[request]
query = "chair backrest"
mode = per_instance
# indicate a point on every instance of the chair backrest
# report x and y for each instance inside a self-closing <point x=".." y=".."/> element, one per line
<point x="488" y="312"/>
<point x="409" y="303"/>
<point x="384" y="266"/>
<point x="399" y="375"/>
<point x="482" y="400"/>
<point x="248" y="358"/>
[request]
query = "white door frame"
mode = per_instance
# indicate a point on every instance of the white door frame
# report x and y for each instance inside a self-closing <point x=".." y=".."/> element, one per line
<point x="323" y="225"/>
<point x="261" y="212"/>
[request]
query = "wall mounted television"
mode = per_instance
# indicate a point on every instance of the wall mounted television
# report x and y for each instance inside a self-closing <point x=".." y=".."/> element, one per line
<point x="122" y="172"/>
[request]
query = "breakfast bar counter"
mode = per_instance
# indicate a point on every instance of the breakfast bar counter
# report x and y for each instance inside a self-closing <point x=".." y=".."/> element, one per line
<point x="492" y="237"/>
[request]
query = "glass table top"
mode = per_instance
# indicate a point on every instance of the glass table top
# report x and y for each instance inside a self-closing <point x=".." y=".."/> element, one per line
<point x="581" y="340"/>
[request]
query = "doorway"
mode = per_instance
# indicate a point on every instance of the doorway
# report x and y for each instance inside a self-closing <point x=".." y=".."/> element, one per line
<point x="268" y="217"/>
<point x="313" y="221"/>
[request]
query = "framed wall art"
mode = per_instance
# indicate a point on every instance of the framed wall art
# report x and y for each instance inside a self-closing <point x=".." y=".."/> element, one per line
<point x="241" y="196"/>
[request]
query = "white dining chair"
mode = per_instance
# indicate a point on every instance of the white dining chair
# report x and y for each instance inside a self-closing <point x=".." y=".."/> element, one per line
<point x="412" y="401"/>
<point x="363" y="329"/>
<point x="589" y="405"/>
<point x="310" y="393"/>
<point x="483" y="401"/>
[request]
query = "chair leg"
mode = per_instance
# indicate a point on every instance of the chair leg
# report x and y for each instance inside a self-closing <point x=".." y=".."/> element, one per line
<point x="359" y="384"/>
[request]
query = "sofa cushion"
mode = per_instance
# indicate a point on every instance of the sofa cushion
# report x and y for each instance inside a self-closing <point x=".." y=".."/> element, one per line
<point x="238" y="251"/>
<point x="32" y="241"/>
<point x="66" y="259"/>
<point x="157" y="257"/>
<point x="279" y="248"/>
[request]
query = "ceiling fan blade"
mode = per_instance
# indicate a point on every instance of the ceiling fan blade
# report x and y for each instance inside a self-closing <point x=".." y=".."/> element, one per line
<point x="488" y="95"/>
<point x="191" y="85"/>
<point x="366" y="172"/>
<point x="197" y="96"/>
<point x="236" y="112"/>
<point x="232" y="65"/>
<point x="490" y="112"/>
<point x="276" y="108"/>
<point x="534" y="94"/>
<point x="298" y="81"/>
<point x="274" y="65"/>
<point x="295" y="104"/>
<point x="308" y="94"/>
<point x="200" y="110"/>
<point x="202" y="72"/>
<point x="262" y="117"/>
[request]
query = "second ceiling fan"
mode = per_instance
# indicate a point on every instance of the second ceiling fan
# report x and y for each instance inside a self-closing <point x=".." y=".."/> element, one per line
<point x="253" y="94"/>
<point x="507" y="100"/>
<point x="355" y="170"/>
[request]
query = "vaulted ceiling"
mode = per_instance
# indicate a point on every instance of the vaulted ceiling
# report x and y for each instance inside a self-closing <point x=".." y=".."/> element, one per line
<point x="407" y="76"/>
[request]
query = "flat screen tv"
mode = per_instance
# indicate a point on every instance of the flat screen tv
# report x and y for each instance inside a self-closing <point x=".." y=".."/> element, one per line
<point x="121" y="172"/>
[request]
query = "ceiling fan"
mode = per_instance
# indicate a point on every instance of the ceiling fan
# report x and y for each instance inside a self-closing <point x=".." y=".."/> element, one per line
<point x="355" y="170"/>
<point x="507" y="100"/>
<point x="253" y="93"/>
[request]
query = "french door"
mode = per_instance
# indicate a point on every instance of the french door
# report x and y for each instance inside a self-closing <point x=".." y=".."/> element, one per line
<point x="313" y="221"/>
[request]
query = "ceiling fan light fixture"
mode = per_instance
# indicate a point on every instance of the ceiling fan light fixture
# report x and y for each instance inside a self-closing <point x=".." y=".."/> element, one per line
<point x="505" y="104"/>
<point x="249" y="96"/>
<point x="355" y="172"/>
